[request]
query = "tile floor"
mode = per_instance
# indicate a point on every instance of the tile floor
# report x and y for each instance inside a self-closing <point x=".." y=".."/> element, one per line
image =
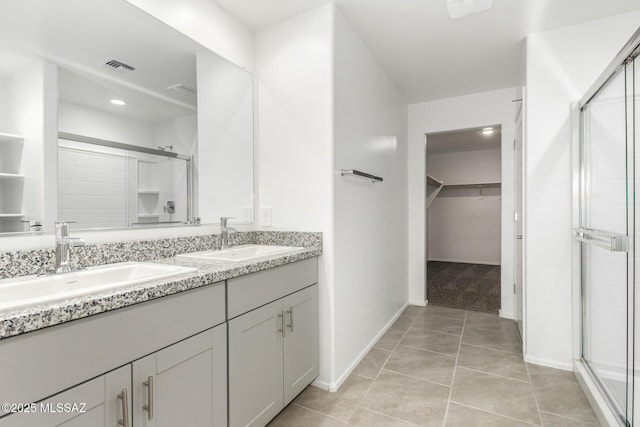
<point x="438" y="366"/>
<point x="465" y="286"/>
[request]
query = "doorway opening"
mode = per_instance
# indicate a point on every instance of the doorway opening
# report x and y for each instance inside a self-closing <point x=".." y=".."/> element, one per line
<point x="463" y="218"/>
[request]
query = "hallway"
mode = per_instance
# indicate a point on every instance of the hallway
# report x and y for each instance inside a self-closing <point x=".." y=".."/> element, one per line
<point x="439" y="366"/>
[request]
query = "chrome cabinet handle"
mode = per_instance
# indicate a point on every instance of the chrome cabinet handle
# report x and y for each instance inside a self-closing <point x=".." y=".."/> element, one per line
<point x="281" y="330"/>
<point x="290" y="312"/>
<point x="124" y="396"/>
<point x="149" y="406"/>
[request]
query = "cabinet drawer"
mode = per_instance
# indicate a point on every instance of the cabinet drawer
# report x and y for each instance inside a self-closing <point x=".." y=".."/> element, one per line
<point x="248" y="292"/>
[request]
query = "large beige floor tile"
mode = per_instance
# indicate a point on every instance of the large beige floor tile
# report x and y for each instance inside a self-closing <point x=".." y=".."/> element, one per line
<point x="341" y="404"/>
<point x="502" y="396"/>
<point x="295" y="416"/>
<point x="368" y="418"/>
<point x="437" y="323"/>
<point x="390" y="339"/>
<point x="497" y="340"/>
<point x="463" y="416"/>
<point x="493" y="361"/>
<point x="489" y="321"/>
<point x="414" y="310"/>
<point x="430" y="340"/>
<point x="422" y="364"/>
<point x="413" y="400"/>
<point x="558" y="392"/>
<point x="453" y="313"/>
<point x="372" y="363"/>
<point x="403" y="323"/>
<point x="552" y="420"/>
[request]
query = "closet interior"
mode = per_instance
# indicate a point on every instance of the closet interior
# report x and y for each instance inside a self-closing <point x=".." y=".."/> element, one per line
<point x="463" y="204"/>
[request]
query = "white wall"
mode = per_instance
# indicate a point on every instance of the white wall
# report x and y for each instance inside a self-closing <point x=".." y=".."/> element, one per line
<point x="295" y="130"/>
<point x="370" y="257"/>
<point x="206" y="23"/>
<point x="471" y="111"/>
<point x="86" y="121"/>
<point x="560" y="67"/>
<point x="225" y="131"/>
<point x="464" y="223"/>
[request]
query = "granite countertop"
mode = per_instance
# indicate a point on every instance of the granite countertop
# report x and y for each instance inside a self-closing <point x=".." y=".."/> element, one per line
<point x="208" y="272"/>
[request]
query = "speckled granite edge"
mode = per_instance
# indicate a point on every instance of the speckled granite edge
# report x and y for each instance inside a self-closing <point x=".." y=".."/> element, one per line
<point x="35" y="318"/>
<point x="39" y="261"/>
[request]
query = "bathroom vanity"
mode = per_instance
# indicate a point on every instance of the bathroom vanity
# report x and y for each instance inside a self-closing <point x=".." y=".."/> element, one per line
<point x="156" y="353"/>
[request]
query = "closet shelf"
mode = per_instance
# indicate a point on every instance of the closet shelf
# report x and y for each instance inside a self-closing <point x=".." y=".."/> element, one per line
<point x="11" y="215"/>
<point x="431" y="180"/>
<point x="150" y="192"/>
<point x="148" y="216"/>
<point x="475" y="185"/>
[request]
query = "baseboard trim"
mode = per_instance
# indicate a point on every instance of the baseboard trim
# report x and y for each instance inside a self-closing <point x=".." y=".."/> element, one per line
<point x="548" y="363"/>
<point x="604" y="413"/>
<point x="336" y="385"/>
<point x="419" y="303"/>
<point x="506" y="315"/>
<point x="321" y="384"/>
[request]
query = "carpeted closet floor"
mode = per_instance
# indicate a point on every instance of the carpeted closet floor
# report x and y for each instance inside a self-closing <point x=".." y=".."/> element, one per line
<point x="473" y="287"/>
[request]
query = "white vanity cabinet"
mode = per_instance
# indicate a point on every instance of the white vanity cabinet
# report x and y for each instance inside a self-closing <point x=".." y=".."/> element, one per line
<point x="98" y="403"/>
<point x="183" y="385"/>
<point x="179" y="341"/>
<point x="273" y="340"/>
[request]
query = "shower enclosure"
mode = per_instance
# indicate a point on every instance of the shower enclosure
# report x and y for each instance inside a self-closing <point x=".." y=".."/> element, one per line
<point x="606" y="180"/>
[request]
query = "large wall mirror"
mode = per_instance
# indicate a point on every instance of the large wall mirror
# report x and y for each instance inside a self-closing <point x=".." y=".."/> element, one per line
<point x="109" y="118"/>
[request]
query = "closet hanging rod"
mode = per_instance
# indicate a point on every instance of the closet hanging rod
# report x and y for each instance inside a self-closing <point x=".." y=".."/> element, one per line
<point x="361" y="174"/>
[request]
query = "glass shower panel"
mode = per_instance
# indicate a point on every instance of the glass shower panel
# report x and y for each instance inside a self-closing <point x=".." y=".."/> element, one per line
<point x="607" y="279"/>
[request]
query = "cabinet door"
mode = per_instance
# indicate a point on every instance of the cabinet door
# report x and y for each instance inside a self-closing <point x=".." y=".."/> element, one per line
<point x="301" y="341"/>
<point x="96" y="403"/>
<point x="184" y="384"/>
<point x="255" y="366"/>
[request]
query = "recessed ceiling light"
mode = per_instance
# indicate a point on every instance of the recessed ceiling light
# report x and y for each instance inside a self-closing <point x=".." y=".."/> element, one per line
<point x="487" y="131"/>
<point x="460" y="8"/>
<point x="118" y="102"/>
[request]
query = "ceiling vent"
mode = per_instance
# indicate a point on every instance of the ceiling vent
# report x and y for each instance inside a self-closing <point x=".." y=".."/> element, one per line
<point x="120" y="67"/>
<point x="181" y="89"/>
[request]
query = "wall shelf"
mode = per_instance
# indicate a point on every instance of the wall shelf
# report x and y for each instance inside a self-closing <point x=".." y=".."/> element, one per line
<point x="11" y="215"/>
<point x="148" y="192"/>
<point x="438" y="184"/>
<point x="431" y="180"/>
<point x="11" y="176"/>
<point x="148" y="216"/>
<point x="9" y="137"/>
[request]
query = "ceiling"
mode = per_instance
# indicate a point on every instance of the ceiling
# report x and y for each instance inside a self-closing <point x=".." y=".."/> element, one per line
<point x="80" y="36"/>
<point x="431" y="56"/>
<point x="463" y="140"/>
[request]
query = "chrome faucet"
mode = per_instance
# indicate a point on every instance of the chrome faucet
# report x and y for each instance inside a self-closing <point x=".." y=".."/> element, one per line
<point x="224" y="232"/>
<point x="64" y="243"/>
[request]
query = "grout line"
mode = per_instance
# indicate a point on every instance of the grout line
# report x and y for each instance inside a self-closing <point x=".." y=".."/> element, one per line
<point x="321" y="413"/>
<point x="564" y="417"/>
<point x="437" y="332"/>
<point x="494" y="349"/>
<point x="366" y="393"/>
<point x="390" y="416"/>
<point x="493" y="413"/>
<point x="418" y="378"/>
<point x="494" y="375"/>
<point x="535" y="397"/>
<point x="427" y="350"/>
<point x="455" y="369"/>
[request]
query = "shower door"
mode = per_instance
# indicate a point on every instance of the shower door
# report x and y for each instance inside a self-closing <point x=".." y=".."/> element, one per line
<point x="606" y="234"/>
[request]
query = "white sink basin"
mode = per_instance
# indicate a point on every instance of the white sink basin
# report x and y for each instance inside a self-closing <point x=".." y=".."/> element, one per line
<point x="25" y="292"/>
<point x="240" y="253"/>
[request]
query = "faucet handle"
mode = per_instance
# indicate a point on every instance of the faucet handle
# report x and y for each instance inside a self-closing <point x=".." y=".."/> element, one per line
<point x="223" y="220"/>
<point x="62" y="228"/>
